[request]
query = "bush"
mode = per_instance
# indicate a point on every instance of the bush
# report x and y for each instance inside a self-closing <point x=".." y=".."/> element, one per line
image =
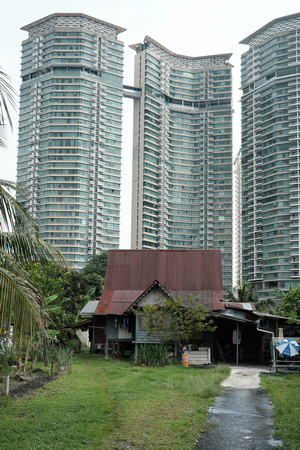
<point x="74" y="345"/>
<point x="153" y="354"/>
<point x="63" y="356"/>
<point x="8" y="358"/>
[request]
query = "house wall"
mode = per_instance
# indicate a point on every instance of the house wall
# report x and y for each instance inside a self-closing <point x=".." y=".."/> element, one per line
<point x="142" y="337"/>
<point x="84" y="337"/>
<point x="99" y="330"/>
<point x="118" y="327"/>
<point x="152" y="297"/>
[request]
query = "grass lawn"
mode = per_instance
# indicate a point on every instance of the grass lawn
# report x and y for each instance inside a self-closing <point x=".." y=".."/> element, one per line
<point x="112" y="405"/>
<point x="284" y="393"/>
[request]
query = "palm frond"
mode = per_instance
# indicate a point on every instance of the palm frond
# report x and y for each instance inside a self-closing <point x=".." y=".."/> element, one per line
<point x="7" y="96"/>
<point x="13" y="214"/>
<point x="26" y="247"/>
<point x="8" y="263"/>
<point x="21" y="305"/>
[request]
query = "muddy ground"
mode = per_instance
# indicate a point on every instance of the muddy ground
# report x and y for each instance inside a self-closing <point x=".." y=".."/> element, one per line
<point x="24" y="383"/>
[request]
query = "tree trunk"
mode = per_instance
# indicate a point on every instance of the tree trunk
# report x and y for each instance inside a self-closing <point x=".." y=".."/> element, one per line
<point x="26" y="358"/>
<point x="35" y="355"/>
<point x="20" y="356"/>
<point x="45" y="353"/>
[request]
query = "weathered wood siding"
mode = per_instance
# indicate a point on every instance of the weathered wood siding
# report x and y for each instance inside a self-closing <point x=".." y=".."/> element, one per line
<point x="116" y="330"/>
<point x="142" y="337"/>
<point x="111" y="330"/>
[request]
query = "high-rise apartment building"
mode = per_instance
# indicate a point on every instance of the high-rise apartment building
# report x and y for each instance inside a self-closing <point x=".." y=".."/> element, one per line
<point x="237" y="252"/>
<point x="70" y="129"/>
<point x="271" y="156"/>
<point x="182" y="152"/>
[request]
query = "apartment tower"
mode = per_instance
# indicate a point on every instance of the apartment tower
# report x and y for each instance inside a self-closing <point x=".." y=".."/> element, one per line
<point x="70" y="128"/>
<point x="271" y="156"/>
<point x="237" y="252"/>
<point x="182" y="152"/>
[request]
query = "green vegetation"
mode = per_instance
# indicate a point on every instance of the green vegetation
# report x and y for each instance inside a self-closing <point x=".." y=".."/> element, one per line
<point x="153" y="355"/>
<point x="65" y="290"/>
<point x="22" y="308"/>
<point x="114" y="405"/>
<point x="95" y="270"/>
<point x="173" y="321"/>
<point x="290" y="302"/>
<point x="248" y="292"/>
<point x="283" y="391"/>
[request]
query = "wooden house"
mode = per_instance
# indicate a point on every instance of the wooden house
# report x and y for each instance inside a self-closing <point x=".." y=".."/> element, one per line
<point x="136" y="277"/>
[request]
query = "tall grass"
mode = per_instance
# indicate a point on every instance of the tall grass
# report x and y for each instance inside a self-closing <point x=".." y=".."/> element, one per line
<point x="153" y="354"/>
<point x="113" y="405"/>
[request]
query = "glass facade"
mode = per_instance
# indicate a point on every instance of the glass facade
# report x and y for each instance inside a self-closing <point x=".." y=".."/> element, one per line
<point x="182" y="153"/>
<point x="70" y="131"/>
<point x="271" y="156"/>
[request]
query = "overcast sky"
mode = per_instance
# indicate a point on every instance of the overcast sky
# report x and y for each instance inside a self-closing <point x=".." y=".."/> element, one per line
<point x="191" y="27"/>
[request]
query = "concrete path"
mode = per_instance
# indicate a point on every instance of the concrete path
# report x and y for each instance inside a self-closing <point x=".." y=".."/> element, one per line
<point x="244" y="377"/>
<point x="242" y="417"/>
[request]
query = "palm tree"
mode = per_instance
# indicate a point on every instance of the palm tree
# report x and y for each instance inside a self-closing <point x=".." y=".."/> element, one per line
<point x="246" y="292"/>
<point x="22" y="308"/>
<point x="20" y="302"/>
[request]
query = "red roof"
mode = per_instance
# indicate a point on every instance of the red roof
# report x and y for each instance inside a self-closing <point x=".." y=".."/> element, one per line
<point x="181" y="272"/>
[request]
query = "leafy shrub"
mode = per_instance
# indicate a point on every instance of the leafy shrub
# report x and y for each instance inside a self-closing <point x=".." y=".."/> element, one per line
<point x="74" y="345"/>
<point x="8" y="358"/>
<point x="153" y="354"/>
<point x="63" y="356"/>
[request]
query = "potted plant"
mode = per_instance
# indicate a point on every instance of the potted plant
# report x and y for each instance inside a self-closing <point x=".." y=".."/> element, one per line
<point x="63" y="357"/>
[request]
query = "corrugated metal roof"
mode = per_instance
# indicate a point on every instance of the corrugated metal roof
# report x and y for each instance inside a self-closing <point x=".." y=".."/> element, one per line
<point x="89" y="308"/>
<point x="131" y="272"/>
<point x="81" y="324"/>
<point x="249" y="306"/>
<point x="270" y="316"/>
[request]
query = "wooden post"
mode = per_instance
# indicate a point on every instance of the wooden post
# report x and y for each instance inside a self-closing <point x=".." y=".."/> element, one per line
<point x="136" y="345"/>
<point x="7" y="385"/>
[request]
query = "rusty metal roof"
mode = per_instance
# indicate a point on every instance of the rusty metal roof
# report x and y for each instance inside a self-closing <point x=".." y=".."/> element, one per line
<point x="130" y="273"/>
